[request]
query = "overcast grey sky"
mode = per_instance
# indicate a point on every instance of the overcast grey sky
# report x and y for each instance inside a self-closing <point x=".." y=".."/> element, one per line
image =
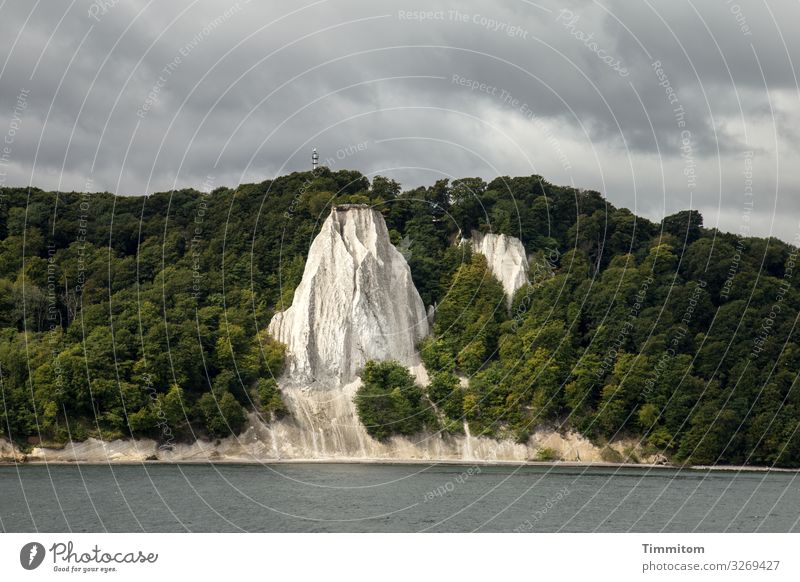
<point x="660" y="105"/>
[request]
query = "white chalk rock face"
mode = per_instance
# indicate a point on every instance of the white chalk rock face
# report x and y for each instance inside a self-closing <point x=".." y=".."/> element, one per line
<point x="506" y="257"/>
<point x="355" y="302"/>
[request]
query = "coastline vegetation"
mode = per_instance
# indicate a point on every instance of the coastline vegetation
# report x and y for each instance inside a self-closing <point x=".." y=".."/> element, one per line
<point x="145" y="316"/>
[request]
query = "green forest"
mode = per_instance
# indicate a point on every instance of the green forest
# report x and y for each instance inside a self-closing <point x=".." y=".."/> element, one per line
<point x="146" y="316"/>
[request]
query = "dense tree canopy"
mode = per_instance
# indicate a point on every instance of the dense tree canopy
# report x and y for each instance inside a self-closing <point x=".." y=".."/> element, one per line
<point x="146" y="316"/>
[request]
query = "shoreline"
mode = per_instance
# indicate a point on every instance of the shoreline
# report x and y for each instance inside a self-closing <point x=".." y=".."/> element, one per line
<point x="429" y="462"/>
<point x="253" y="448"/>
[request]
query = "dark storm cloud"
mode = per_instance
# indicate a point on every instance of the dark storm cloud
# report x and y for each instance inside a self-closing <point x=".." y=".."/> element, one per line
<point x="145" y="96"/>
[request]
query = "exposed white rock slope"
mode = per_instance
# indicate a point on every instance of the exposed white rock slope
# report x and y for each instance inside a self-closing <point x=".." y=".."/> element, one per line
<point x="291" y="441"/>
<point x="506" y="258"/>
<point x="356" y="302"/>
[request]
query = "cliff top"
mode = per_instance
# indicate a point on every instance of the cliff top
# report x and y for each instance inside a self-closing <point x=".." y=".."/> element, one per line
<point x="340" y="207"/>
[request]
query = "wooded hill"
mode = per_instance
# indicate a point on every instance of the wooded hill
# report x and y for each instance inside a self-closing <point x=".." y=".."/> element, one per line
<point x="146" y="316"/>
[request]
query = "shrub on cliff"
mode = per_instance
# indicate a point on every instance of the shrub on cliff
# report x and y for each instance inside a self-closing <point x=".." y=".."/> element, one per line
<point x="389" y="402"/>
<point x="269" y="398"/>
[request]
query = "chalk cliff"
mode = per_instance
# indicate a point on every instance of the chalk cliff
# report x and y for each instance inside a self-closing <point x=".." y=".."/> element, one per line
<point x="356" y="302"/>
<point x="506" y="258"/>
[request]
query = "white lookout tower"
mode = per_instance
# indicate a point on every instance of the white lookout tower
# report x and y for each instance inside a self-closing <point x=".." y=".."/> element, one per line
<point x="314" y="160"/>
